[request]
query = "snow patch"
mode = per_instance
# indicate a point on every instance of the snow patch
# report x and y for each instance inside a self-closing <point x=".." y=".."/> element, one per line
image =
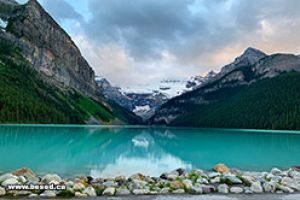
<point x="3" y="24"/>
<point x="138" y="109"/>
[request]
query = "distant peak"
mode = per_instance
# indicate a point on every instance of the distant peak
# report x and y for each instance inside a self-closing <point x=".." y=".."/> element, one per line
<point x="251" y="50"/>
<point x="34" y="3"/>
<point x="251" y="54"/>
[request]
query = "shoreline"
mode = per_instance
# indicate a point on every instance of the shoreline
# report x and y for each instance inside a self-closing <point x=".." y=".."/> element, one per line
<point x="219" y="181"/>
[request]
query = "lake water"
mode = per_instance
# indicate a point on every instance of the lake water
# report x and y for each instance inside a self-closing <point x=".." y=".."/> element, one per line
<point x="111" y="151"/>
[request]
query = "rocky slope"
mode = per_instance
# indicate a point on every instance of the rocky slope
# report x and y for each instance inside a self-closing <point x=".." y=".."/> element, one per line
<point x="49" y="48"/>
<point x="31" y="32"/>
<point x="255" y="82"/>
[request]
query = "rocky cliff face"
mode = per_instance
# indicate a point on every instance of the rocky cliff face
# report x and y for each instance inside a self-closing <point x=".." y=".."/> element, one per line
<point x="48" y="47"/>
<point x="247" y="69"/>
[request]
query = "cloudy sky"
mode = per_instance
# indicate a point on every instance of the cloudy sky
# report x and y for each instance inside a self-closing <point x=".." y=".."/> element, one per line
<point x="142" y="41"/>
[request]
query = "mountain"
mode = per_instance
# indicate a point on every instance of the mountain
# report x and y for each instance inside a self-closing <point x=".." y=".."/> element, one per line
<point x="255" y="91"/>
<point x="197" y="81"/>
<point x="145" y="100"/>
<point x="44" y="78"/>
<point x="143" y="104"/>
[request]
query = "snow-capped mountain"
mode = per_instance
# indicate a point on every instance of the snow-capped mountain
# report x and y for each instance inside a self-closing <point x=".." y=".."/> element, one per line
<point x="170" y="87"/>
<point x="145" y="99"/>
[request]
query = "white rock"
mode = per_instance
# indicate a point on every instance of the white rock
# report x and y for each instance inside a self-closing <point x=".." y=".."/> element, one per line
<point x="10" y="181"/>
<point x="291" y="183"/>
<point x="213" y="174"/>
<point x="70" y="184"/>
<point x="7" y="176"/>
<point x="276" y="178"/>
<point x="48" y="194"/>
<point x="256" y="187"/>
<point x="54" y="182"/>
<point x="164" y="191"/>
<point x="202" y="180"/>
<point x="248" y="191"/>
<point x="122" y="192"/>
<point x="141" y="191"/>
<point x="188" y="183"/>
<point x="285" y="189"/>
<point x="22" y="179"/>
<point x="90" y="191"/>
<point x="78" y="186"/>
<point x="248" y="179"/>
<point x="215" y="180"/>
<point x="294" y="174"/>
<point x="80" y="195"/>
<point x="51" y="177"/>
<point x="109" y="191"/>
<point x="232" y="179"/>
<point x="223" y="189"/>
<point x="270" y="186"/>
<point x="236" y="190"/>
<point x="33" y="196"/>
<point x="2" y="192"/>
<point x="276" y="172"/>
<point x="178" y="191"/>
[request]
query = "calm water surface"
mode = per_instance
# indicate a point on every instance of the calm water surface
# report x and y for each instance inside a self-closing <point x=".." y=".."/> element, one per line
<point x="111" y="151"/>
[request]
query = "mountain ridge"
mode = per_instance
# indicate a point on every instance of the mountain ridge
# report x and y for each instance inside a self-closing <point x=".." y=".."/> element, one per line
<point x="242" y="74"/>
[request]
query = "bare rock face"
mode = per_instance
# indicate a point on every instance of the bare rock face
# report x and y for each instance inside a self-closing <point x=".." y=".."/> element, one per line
<point x="50" y="49"/>
<point x="249" y="57"/>
<point x="275" y="64"/>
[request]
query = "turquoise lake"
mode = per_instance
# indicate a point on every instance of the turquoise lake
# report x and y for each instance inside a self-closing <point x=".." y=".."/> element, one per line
<point x="110" y="151"/>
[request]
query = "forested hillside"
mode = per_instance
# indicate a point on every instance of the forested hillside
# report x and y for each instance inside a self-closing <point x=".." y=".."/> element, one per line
<point x="25" y="98"/>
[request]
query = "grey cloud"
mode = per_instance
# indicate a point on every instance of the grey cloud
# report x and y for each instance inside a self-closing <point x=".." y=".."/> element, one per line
<point x="201" y="34"/>
<point x="144" y="26"/>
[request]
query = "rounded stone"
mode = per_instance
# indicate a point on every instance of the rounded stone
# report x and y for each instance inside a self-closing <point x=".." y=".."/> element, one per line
<point x="202" y="180"/>
<point x="109" y="191"/>
<point x="221" y="168"/>
<point x="7" y="176"/>
<point x="122" y="192"/>
<point x="164" y="191"/>
<point x="48" y="194"/>
<point x="236" y="190"/>
<point x="33" y="196"/>
<point x="80" y="195"/>
<point x="187" y="183"/>
<point x="2" y="191"/>
<point x="256" y="187"/>
<point x="223" y="189"/>
<point x="51" y="177"/>
<point x="90" y="191"/>
<point x="178" y="191"/>
<point x="285" y="189"/>
<point x="78" y="186"/>
<point x="141" y="191"/>
<point x="232" y="179"/>
<point x="10" y="181"/>
<point x="270" y="187"/>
